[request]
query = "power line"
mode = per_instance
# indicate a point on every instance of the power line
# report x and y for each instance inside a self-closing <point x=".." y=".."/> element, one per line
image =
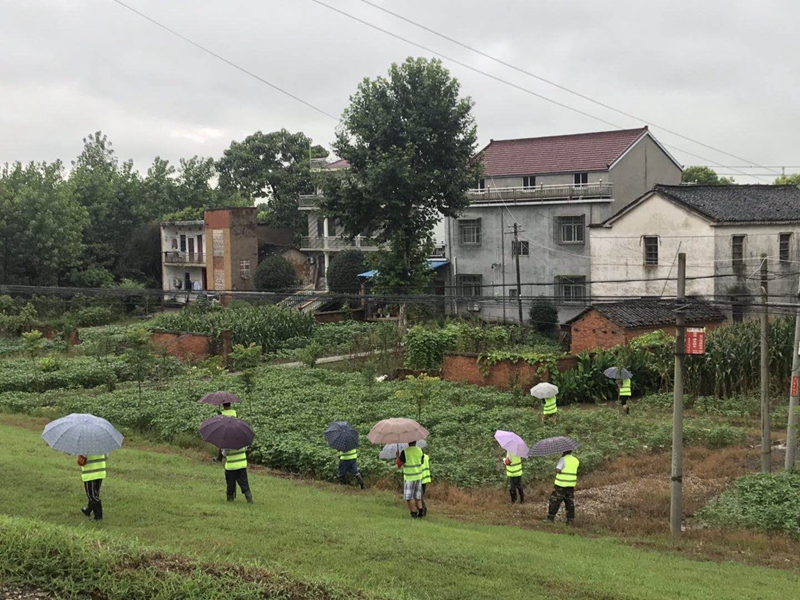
<point x="496" y="78"/>
<point x="557" y="85"/>
<point x="225" y="60"/>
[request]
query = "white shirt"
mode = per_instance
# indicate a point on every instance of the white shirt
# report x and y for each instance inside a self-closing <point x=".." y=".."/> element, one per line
<point x="560" y="466"/>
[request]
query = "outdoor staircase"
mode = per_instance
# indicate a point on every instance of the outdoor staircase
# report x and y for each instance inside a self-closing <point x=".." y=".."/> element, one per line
<point x="305" y="300"/>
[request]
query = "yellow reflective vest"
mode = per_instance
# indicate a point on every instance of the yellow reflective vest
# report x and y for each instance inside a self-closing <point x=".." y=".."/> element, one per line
<point x="550" y="407"/>
<point x="236" y="459"/>
<point x="625" y="388"/>
<point x="350" y="455"/>
<point x="95" y="467"/>
<point x="412" y="467"/>
<point x="515" y="468"/>
<point x="228" y="413"/>
<point x="426" y="469"/>
<point x="568" y="476"/>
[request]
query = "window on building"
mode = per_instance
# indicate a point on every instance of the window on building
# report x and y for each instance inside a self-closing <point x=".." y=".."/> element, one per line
<point x="571" y="288"/>
<point x="244" y="269"/>
<point x="218" y="243"/>
<point x="784" y="245"/>
<point x="651" y="250"/>
<point x="529" y="182"/>
<point x="512" y="293"/>
<point x="469" y="232"/>
<point x="320" y="227"/>
<point x="521" y="247"/>
<point x="183" y="243"/>
<point x="469" y="285"/>
<point x="737" y="250"/>
<point x="481" y="184"/>
<point x="571" y="230"/>
<point x="581" y="179"/>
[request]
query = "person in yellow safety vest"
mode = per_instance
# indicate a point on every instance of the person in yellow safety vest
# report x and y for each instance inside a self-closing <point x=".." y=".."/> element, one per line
<point x="236" y="472"/>
<point x="624" y="386"/>
<point x="348" y="464"/>
<point x="226" y="411"/>
<point x="410" y="460"/>
<point x="550" y="410"/>
<point x="514" y="473"/>
<point x="426" y="479"/>
<point x="564" y="488"/>
<point x="93" y="471"/>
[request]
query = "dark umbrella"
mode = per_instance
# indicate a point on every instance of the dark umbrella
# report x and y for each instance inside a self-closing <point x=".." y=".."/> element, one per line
<point x="614" y="373"/>
<point x="553" y="445"/>
<point x="341" y="436"/>
<point x="226" y="432"/>
<point x="218" y="398"/>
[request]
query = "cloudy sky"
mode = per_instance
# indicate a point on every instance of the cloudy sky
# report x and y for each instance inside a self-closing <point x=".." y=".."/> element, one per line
<point x="723" y="72"/>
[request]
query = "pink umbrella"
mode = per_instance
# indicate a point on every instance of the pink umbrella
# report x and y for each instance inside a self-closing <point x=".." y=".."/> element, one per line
<point x="511" y="443"/>
<point x="392" y="431"/>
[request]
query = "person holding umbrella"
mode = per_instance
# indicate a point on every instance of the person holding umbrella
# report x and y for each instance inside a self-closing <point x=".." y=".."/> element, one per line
<point x="516" y="449"/>
<point x="232" y="436"/>
<point x="566" y="475"/>
<point x="623" y="378"/>
<point x="547" y="393"/>
<point x="91" y="439"/>
<point x="343" y="437"/>
<point x="225" y="399"/>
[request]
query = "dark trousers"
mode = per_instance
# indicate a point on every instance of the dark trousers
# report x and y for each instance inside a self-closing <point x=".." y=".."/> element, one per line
<point x="514" y="487"/>
<point x="92" y="489"/>
<point x="236" y="476"/>
<point x="559" y="495"/>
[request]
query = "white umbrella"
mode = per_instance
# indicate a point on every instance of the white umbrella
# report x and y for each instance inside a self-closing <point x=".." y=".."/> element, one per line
<point x="390" y="451"/>
<point x="82" y="435"/>
<point x="544" y="390"/>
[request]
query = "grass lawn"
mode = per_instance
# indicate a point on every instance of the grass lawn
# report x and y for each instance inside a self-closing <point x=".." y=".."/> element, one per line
<point x="358" y="541"/>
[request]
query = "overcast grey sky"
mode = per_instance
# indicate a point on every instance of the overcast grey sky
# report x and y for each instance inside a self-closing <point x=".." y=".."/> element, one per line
<point x="720" y="71"/>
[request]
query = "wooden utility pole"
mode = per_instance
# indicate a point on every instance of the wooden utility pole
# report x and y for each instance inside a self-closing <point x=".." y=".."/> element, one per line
<point x="517" y="251"/>
<point x="766" y="437"/>
<point x="794" y="392"/>
<point x="676" y="482"/>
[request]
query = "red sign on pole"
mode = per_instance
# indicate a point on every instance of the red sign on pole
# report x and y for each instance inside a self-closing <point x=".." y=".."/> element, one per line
<point x="695" y="340"/>
<point x="795" y="386"/>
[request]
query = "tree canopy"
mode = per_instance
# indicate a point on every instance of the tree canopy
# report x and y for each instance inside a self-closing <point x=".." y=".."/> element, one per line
<point x="409" y="138"/>
<point x="704" y="176"/>
<point x="275" y="274"/>
<point x="342" y="274"/>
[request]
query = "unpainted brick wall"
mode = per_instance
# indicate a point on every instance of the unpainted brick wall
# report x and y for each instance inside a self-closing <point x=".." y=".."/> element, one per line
<point x="593" y="330"/>
<point x="502" y="375"/>
<point x="184" y="346"/>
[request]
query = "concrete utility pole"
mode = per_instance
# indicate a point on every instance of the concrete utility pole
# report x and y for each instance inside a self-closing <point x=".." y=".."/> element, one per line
<point x="794" y="392"/>
<point x="676" y="482"/>
<point x="766" y="437"/>
<point x="517" y="251"/>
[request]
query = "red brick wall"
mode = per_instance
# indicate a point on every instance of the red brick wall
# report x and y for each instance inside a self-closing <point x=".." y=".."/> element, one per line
<point x="503" y="375"/>
<point x="184" y="345"/>
<point x="593" y="330"/>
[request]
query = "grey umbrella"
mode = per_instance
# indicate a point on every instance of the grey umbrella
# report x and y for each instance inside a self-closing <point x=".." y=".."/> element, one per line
<point x="390" y="451"/>
<point x="553" y="445"/>
<point x="81" y="435"/>
<point x="614" y="373"/>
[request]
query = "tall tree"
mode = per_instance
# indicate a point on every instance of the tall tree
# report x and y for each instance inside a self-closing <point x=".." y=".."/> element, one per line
<point x="41" y="225"/>
<point x="273" y="166"/>
<point x="704" y="176"/>
<point x="159" y="191"/>
<point x="409" y="139"/>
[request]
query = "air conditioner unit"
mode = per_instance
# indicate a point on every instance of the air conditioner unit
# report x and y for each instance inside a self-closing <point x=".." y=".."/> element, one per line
<point x="474" y="307"/>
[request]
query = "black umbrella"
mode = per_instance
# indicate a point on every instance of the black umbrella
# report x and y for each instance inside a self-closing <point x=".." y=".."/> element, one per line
<point x="226" y="432"/>
<point x="217" y="398"/>
<point x="553" y="445"/>
<point x="341" y="436"/>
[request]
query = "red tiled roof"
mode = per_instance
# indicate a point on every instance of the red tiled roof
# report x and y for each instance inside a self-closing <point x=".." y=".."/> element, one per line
<point x="557" y="154"/>
<point x="338" y="164"/>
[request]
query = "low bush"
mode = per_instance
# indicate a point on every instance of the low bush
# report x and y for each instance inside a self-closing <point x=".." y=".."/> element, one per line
<point x="50" y="373"/>
<point x="274" y="274"/>
<point x="768" y="502"/>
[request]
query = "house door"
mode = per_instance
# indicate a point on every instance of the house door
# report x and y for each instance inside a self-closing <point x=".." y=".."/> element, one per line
<point x="200" y="248"/>
<point x="191" y="248"/>
<point x="187" y="281"/>
<point x="183" y="243"/>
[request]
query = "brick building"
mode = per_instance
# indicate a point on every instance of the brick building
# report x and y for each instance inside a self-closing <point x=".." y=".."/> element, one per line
<point x="611" y="324"/>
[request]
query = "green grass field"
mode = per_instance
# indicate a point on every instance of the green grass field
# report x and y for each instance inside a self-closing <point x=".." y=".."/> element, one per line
<point x="346" y="539"/>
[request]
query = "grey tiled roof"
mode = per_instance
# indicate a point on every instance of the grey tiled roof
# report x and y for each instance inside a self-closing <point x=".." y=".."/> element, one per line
<point x="632" y="314"/>
<point x="738" y="203"/>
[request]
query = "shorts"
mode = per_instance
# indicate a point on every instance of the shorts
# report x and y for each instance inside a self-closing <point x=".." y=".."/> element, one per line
<point x="412" y="490"/>
<point x="348" y="467"/>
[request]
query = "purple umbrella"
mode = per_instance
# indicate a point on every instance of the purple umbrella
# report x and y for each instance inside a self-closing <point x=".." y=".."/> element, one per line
<point x="226" y="432"/>
<point x="554" y="445"/>
<point x="217" y="398"/>
<point x="511" y="443"/>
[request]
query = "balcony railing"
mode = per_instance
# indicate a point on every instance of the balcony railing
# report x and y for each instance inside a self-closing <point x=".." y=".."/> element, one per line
<point x="184" y="258"/>
<point x="309" y="201"/>
<point x="337" y="242"/>
<point x="541" y="192"/>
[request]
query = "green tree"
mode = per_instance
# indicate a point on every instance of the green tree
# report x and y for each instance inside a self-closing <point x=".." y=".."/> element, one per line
<point x="274" y="274"/>
<point x="544" y="316"/>
<point x="273" y="166"/>
<point x="342" y="275"/>
<point x="788" y="180"/>
<point x="704" y="176"/>
<point x="409" y="139"/>
<point x="41" y="225"/>
<point x="160" y="194"/>
<point x="139" y="358"/>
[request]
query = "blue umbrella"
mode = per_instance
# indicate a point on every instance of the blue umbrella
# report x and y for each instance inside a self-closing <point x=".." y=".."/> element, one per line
<point x="82" y="435"/>
<point x="614" y="373"/>
<point x="341" y="436"/>
<point x="553" y="445"/>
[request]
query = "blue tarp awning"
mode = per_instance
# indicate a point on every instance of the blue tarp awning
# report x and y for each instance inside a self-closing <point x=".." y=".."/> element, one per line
<point x="433" y="263"/>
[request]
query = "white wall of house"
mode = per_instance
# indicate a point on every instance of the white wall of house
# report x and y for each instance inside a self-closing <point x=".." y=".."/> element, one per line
<point x="174" y="276"/>
<point x="547" y="179"/>
<point x="618" y="251"/>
